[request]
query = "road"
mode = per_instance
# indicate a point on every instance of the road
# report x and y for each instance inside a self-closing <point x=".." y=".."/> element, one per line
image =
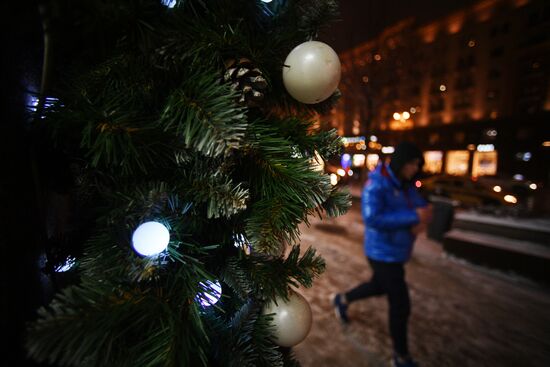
<point x="462" y="314"/>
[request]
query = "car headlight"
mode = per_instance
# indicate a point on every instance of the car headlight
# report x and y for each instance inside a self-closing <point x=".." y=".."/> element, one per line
<point x="510" y="199"/>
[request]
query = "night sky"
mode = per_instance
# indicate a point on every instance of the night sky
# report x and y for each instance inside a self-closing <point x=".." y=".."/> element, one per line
<point x="364" y="19"/>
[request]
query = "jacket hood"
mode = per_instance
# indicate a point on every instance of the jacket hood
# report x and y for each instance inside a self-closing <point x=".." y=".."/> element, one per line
<point x="404" y="153"/>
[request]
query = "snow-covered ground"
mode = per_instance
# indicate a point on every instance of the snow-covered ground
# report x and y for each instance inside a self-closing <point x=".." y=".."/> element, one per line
<point x="462" y="314"/>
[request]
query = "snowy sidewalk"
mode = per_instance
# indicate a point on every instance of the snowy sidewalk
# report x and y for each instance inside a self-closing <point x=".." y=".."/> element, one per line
<point x="463" y="315"/>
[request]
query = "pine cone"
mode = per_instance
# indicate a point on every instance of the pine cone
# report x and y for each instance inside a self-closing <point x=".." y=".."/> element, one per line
<point x="246" y="79"/>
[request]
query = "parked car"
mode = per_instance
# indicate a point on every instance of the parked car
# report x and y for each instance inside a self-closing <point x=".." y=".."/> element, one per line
<point x="519" y="188"/>
<point x="468" y="192"/>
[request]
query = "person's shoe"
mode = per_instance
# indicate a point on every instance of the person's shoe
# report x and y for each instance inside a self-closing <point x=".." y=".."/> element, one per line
<point x="403" y="362"/>
<point x="340" y="309"/>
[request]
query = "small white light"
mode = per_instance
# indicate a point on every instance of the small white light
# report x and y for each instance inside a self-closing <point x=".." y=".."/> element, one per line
<point x="527" y="156"/>
<point x="341" y="172"/>
<point x="510" y="199"/>
<point x="518" y="177"/>
<point x="406" y="115"/>
<point x="333" y="179"/>
<point x="169" y="3"/>
<point x="240" y="242"/>
<point x="373" y="138"/>
<point x="442" y="88"/>
<point x="212" y="294"/>
<point x="350" y="172"/>
<point x="68" y="265"/>
<point x="497" y="188"/>
<point x="413" y="110"/>
<point x="397" y="116"/>
<point x="485" y="148"/>
<point x="150" y="238"/>
<point x="533" y="186"/>
<point x="267" y="1"/>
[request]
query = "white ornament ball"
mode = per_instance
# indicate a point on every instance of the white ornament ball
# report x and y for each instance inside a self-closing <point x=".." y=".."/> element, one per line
<point x="150" y="238"/>
<point x="292" y="319"/>
<point x="311" y="72"/>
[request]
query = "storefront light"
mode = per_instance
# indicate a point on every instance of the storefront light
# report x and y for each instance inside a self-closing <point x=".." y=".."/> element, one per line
<point x="510" y="199"/>
<point x="485" y="147"/>
<point x="388" y="150"/>
<point x="345" y="161"/>
<point x="358" y="160"/>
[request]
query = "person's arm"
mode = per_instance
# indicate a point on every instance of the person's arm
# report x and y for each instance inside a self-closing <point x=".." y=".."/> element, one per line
<point x="377" y="216"/>
<point x="423" y="209"/>
<point x="417" y="200"/>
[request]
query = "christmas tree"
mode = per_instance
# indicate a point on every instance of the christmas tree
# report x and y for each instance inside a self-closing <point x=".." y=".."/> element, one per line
<point x="190" y="163"/>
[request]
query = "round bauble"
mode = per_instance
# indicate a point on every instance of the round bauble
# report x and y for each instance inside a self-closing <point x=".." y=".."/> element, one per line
<point x="292" y="319"/>
<point x="311" y="72"/>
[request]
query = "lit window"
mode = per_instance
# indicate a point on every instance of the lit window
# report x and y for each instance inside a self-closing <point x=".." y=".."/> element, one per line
<point x="433" y="161"/>
<point x="456" y="162"/>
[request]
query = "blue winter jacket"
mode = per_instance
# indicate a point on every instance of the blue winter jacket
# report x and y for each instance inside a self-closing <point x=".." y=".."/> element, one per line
<point x="389" y="212"/>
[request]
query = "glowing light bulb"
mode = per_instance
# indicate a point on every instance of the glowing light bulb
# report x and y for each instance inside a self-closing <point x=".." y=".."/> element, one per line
<point x="150" y="238"/>
<point x="212" y="294"/>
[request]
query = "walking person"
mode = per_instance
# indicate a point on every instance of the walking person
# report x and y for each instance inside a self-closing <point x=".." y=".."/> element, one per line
<point x="394" y="213"/>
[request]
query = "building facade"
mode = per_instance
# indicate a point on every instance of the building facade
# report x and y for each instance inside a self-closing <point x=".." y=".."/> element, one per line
<point x="472" y="89"/>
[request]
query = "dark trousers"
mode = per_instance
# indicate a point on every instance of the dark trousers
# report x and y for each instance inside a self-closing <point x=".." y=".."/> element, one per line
<point x="389" y="279"/>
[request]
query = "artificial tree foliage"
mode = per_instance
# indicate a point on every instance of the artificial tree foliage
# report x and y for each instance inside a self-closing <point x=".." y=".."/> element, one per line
<point x="149" y="131"/>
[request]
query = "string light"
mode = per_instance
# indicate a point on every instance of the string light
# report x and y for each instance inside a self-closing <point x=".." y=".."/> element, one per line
<point x="150" y="238"/>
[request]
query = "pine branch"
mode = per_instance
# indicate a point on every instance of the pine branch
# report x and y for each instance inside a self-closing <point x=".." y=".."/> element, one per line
<point x="302" y="134"/>
<point x="223" y="198"/>
<point x="338" y="203"/>
<point x="266" y="278"/>
<point x="248" y="340"/>
<point x="203" y="114"/>
<point x="107" y="117"/>
<point x="315" y="14"/>
<point x="104" y="328"/>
